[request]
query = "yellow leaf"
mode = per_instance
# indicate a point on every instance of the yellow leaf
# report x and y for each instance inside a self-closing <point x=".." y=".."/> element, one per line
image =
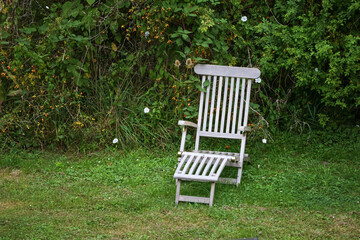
<point x="114" y="47"/>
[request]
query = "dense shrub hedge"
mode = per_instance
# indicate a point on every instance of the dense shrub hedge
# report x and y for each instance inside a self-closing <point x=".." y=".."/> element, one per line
<point x="76" y="72"/>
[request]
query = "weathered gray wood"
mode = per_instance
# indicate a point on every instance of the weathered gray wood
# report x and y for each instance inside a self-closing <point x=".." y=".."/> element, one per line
<point x="183" y="139"/>
<point x="212" y="192"/>
<point x="212" y="104"/>
<point x="221" y="168"/>
<point x="195" y="164"/>
<point x="187" y="123"/>
<point x="181" y="163"/>
<point x="208" y="165"/>
<point x="242" y="153"/>
<point x="194" y="199"/>
<point x="233" y="162"/>
<point x="198" y="161"/>
<point x="236" y="163"/>
<point x="222" y="153"/>
<point x="206" y="104"/>
<point x="200" y="168"/>
<point x="241" y="105"/>
<point x="178" y="186"/>
<point x="235" y="105"/>
<point x="238" y="180"/>
<point x="223" y="113"/>
<point x="218" y="105"/>
<point x="245" y="129"/>
<point x="214" y="167"/>
<point x="228" y="180"/>
<point x="217" y="70"/>
<point x="214" y="154"/>
<point x="221" y="135"/>
<point x="199" y="178"/>
<point x="197" y="140"/>
<point x="223" y="110"/>
<point x="247" y="103"/>
<point x="230" y="105"/>
<point x="187" y="165"/>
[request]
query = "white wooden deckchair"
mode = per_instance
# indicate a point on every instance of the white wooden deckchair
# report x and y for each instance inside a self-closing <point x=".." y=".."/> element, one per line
<point x="223" y="113"/>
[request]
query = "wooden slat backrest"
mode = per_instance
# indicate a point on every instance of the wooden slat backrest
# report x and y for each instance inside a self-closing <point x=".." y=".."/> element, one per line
<point x="222" y="112"/>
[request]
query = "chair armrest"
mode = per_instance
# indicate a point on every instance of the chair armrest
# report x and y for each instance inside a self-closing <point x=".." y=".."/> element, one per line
<point x="245" y="129"/>
<point x="187" y="123"/>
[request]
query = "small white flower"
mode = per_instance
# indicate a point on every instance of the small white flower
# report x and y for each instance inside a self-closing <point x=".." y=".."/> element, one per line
<point x="259" y="166"/>
<point x="99" y="161"/>
<point x="108" y="158"/>
<point x="316" y="69"/>
<point x="109" y="197"/>
<point x="244" y="18"/>
<point x="258" y="80"/>
<point x="264" y="140"/>
<point x="262" y="177"/>
<point x="47" y="7"/>
<point x="280" y="191"/>
<point x="146" y="110"/>
<point x="115" y="140"/>
<point x="147" y="34"/>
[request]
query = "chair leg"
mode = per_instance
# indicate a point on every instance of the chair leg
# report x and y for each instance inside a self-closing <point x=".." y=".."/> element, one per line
<point x="178" y="186"/>
<point x="238" y="180"/>
<point x="212" y="193"/>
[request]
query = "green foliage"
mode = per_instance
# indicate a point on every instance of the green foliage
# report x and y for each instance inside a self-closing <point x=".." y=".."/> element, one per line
<point x="75" y="72"/>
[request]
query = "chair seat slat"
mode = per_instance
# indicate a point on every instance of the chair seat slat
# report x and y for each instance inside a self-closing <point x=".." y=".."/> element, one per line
<point x="187" y="165"/>
<point x="193" y="167"/>
<point x="215" y="166"/>
<point x="201" y="165"/>
<point x="208" y="165"/>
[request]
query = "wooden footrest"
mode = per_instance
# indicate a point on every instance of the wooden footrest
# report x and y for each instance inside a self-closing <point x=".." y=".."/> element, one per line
<point x="184" y="198"/>
<point x="203" y="167"/>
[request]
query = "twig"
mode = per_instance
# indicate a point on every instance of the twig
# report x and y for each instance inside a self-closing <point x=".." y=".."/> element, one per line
<point x="249" y="55"/>
<point x="273" y="13"/>
<point x="267" y="123"/>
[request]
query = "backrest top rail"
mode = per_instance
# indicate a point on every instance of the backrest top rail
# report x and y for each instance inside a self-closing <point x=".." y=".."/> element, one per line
<point x="226" y="71"/>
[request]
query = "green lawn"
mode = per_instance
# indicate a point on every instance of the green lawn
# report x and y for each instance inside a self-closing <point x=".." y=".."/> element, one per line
<point x="294" y="188"/>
